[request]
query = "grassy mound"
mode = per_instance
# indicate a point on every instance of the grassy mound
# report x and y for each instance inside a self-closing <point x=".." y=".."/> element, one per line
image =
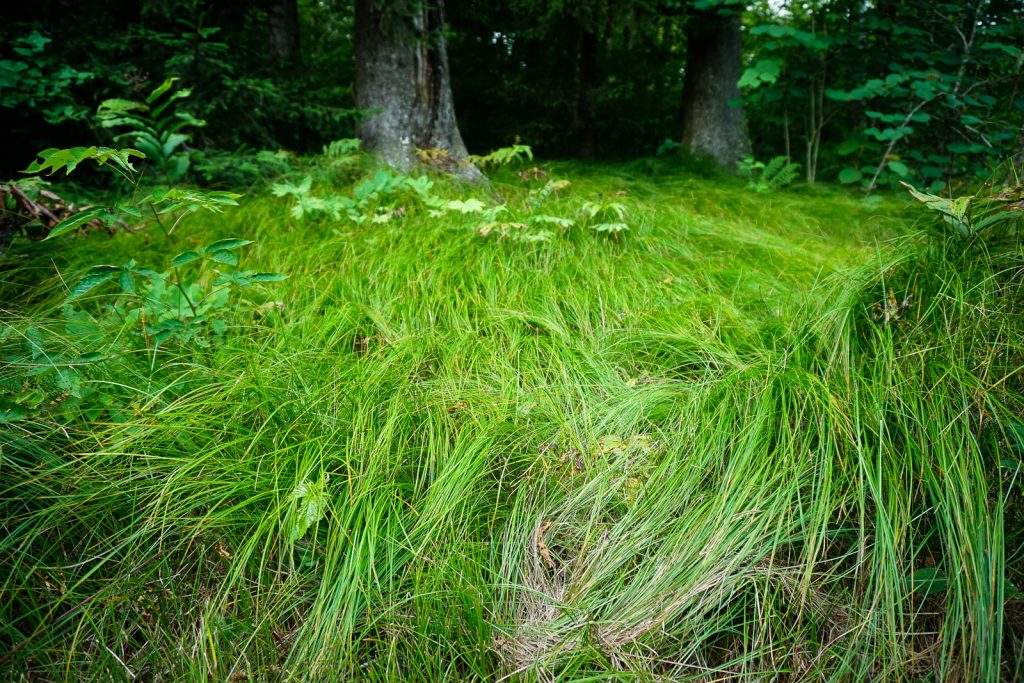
<point x="750" y="436"/>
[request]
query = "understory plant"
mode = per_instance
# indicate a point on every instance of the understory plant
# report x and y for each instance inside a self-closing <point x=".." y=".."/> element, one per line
<point x="155" y="126"/>
<point x="114" y="309"/>
<point x="386" y="195"/>
<point x="774" y="175"/>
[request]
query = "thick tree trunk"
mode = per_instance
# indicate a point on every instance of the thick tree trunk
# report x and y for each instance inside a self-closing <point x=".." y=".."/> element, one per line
<point x="283" y="20"/>
<point x="711" y="126"/>
<point x="402" y="76"/>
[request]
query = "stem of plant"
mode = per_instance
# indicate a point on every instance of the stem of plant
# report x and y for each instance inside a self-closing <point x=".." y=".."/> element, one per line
<point x="892" y="143"/>
<point x="184" y="293"/>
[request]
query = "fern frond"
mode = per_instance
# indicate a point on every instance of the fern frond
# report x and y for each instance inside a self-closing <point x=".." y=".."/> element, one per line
<point x="777" y="174"/>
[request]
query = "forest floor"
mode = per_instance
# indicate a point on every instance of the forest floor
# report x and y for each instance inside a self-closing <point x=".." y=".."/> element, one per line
<point x="747" y="435"/>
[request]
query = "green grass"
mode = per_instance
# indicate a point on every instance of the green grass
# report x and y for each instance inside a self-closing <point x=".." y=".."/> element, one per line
<point x="686" y="452"/>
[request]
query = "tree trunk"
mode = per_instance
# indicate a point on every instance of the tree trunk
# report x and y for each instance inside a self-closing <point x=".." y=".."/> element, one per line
<point x="402" y="80"/>
<point x="711" y="126"/>
<point x="283" y="20"/>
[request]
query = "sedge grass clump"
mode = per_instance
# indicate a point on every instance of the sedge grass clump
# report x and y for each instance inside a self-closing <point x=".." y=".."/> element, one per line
<point x="750" y="436"/>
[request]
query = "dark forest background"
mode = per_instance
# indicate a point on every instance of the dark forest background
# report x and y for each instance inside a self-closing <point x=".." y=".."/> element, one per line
<point x="900" y="89"/>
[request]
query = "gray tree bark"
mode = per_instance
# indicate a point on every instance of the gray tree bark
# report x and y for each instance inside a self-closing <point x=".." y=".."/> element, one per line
<point x="283" y="20"/>
<point x="711" y="127"/>
<point x="402" y="76"/>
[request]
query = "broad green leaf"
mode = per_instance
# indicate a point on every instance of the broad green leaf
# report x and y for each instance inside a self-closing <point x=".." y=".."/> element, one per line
<point x="223" y="256"/>
<point x="899" y="168"/>
<point x="849" y="175"/>
<point x="127" y="282"/>
<point x="36" y="41"/>
<point x="184" y="258"/>
<point x="96" y="277"/>
<point x="309" y="504"/>
<point x="54" y="159"/>
<point x="172" y="143"/>
<point x="226" y="244"/>
<point x="110" y="110"/>
<point x="12" y="413"/>
<point x="840" y="95"/>
<point x="763" y="72"/>
<point x="76" y="221"/>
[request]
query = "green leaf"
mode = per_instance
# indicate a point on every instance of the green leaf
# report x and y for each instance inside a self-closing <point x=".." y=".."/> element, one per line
<point x="267" y="277"/>
<point x="76" y="221"/>
<point x="309" y="504"/>
<point x="899" y="168"/>
<point x="161" y="89"/>
<point x="184" y="258"/>
<point x="127" y="282"/>
<point x="468" y="206"/>
<point x="764" y="71"/>
<point x="54" y="159"/>
<point x="112" y="109"/>
<point x="840" y="95"/>
<point x="12" y="413"/>
<point x="956" y="209"/>
<point x="96" y="277"/>
<point x="173" y="142"/>
<point x="226" y="244"/>
<point x="224" y="256"/>
<point x="849" y="175"/>
<point x="284" y="189"/>
<point x="36" y="41"/>
<point x="1017" y="435"/>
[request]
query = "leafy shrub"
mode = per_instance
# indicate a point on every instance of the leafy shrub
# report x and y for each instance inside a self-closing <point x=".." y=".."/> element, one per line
<point x="374" y="199"/>
<point x="605" y="216"/>
<point x="40" y="85"/>
<point x="155" y="127"/>
<point x="971" y="215"/>
<point x="117" y="308"/>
